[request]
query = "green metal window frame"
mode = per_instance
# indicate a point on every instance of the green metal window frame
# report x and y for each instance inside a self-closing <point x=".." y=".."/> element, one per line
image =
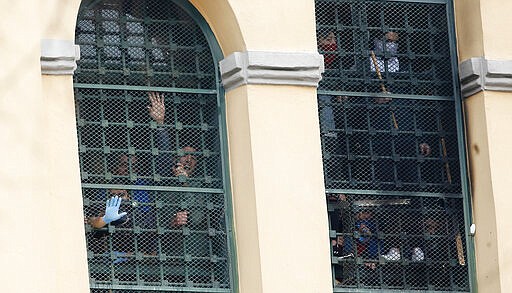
<point x="455" y="97"/>
<point x="217" y="55"/>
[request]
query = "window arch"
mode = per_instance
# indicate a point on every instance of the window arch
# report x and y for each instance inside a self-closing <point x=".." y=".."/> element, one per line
<point x="150" y="127"/>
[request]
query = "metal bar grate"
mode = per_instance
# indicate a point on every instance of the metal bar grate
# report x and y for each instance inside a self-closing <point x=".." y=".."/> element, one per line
<point x="390" y="144"/>
<point x="150" y="132"/>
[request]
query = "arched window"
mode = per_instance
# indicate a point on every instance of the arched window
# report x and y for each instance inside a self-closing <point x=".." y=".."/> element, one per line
<point x="393" y="151"/>
<point x="151" y="131"/>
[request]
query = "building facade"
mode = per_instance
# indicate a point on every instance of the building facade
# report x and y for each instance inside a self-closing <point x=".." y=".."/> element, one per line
<point x="305" y="122"/>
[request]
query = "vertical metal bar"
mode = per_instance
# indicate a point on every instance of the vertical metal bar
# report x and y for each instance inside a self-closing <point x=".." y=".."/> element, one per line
<point x="408" y="45"/>
<point x="210" y="245"/>
<point x="202" y="132"/>
<point x="103" y="135"/>
<point x="159" y="236"/>
<point x="461" y="141"/>
<point x="175" y="106"/>
<point x="417" y="142"/>
<point x="128" y="136"/>
<point x="79" y="132"/>
<point x="121" y="20"/>
<point x="153" y="146"/>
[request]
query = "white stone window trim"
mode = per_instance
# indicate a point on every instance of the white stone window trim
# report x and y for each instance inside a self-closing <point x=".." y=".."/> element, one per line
<point x="276" y="68"/>
<point x="480" y="74"/>
<point x="58" y="57"/>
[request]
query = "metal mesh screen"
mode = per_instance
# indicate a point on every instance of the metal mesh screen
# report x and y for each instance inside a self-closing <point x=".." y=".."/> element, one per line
<point x="142" y="43"/>
<point x="397" y="145"/>
<point x="398" y="242"/>
<point x="150" y="132"/>
<point x="409" y="41"/>
<point x="390" y="143"/>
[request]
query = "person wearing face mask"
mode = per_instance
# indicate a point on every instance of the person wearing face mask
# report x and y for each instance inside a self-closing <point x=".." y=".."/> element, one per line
<point x="386" y="51"/>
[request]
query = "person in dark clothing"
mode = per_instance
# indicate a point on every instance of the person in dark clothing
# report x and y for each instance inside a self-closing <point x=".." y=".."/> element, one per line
<point x="196" y="216"/>
<point x="342" y="247"/>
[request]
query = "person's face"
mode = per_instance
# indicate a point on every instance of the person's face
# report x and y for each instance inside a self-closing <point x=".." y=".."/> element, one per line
<point x="329" y="39"/>
<point x="123" y="167"/>
<point x="188" y="161"/>
<point x="341" y="197"/>
<point x="432" y="226"/>
<point x="364" y="215"/>
<point x="340" y="241"/>
<point x="122" y="193"/>
<point x="391" y="36"/>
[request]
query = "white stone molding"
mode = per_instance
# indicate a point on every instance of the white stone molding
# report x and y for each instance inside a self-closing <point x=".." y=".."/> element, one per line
<point x="279" y="68"/>
<point x="479" y="74"/>
<point x="58" y="57"/>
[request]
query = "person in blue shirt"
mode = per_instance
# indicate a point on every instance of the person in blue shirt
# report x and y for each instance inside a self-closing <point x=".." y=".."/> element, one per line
<point x="137" y="211"/>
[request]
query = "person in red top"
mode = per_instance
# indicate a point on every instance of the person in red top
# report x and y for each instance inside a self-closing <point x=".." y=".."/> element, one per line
<point x="328" y="46"/>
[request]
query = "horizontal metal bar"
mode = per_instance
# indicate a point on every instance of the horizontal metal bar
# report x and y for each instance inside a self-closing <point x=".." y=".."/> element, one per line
<point x="361" y="290"/>
<point x="144" y="88"/>
<point x="146" y="151"/>
<point x="382" y="95"/>
<point x="384" y="1"/>
<point x="408" y="236"/>
<point x="395" y="193"/>
<point x="152" y="188"/>
<point x="158" y="288"/>
<point x="409" y="158"/>
<point x="421" y="1"/>
<point x="385" y="131"/>
<point x="356" y="27"/>
<point x="134" y="124"/>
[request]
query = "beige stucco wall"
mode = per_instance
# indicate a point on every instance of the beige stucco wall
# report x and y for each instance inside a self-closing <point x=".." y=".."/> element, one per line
<point x="496" y="23"/>
<point x="281" y="226"/>
<point x="483" y="31"/>
<point x="468" y="23"/>
<point x="499" y="109"/>
<point x="264" y="25"/>
<point x="43" y="245"/>
<point x="484" y="211"/>
<point x="281" y="223"/>
<point x="489" y="116"/>
<point x="224" y="24"/>
<point x="275" y="155"/>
